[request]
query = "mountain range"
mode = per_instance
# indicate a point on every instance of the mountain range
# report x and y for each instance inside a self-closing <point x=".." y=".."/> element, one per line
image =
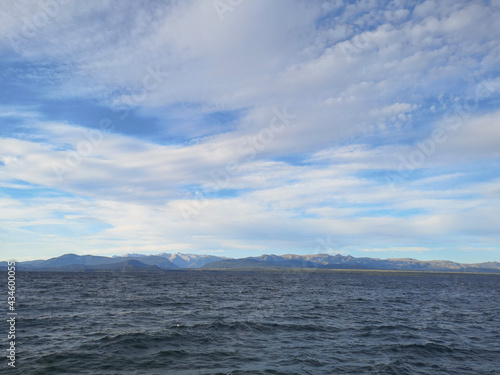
<point x="129" y="262"/>
<point x="326" y="261"/>
<point x="178" y="261"/>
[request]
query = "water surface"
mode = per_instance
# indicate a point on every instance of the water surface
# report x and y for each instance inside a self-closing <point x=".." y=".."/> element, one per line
<point x="257" y="323"/>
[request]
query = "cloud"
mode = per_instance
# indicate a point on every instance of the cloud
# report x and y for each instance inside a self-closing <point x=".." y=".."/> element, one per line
<point x="235" y="64"/>
<point x="390" y="142"/>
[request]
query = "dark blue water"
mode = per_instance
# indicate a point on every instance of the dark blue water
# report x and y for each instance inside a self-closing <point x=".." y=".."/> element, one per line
<point x="256" y="323"/>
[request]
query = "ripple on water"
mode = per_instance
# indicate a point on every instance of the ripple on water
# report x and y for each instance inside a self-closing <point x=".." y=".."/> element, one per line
<point x="258" y="323"/>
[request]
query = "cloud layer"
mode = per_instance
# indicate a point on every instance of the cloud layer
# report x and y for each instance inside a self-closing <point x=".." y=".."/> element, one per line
<point x="255" y="127"/>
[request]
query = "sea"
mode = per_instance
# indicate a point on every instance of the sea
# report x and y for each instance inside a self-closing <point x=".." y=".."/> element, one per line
<point x="222" y="322"/>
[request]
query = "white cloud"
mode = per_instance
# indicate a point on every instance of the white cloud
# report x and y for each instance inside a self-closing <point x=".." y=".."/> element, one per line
<point x="240" y="63"/>
<point x="357" y="80"/>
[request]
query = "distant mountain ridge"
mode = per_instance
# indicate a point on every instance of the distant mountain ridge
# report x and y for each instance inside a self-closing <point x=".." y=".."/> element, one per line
<point x="192" y="260"/>
<point x="178" y="261"/>
<point x="326" y="261"/>
<point x="129" y="262"/>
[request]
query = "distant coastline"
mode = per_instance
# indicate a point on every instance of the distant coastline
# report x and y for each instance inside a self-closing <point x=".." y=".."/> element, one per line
<point x="345" y="270"/>
<point x="288" y="263"/>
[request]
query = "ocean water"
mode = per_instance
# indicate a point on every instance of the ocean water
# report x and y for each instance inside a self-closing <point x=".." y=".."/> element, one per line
<point x="256" y="323"/>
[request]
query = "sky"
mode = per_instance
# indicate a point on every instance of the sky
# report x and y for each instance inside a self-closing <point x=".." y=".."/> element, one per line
<point x="248" y="127"/>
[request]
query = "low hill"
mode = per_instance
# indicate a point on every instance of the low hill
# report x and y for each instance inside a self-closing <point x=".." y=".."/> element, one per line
<point x="123" y="266"/>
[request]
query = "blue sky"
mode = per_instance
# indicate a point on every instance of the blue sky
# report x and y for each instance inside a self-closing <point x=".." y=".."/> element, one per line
<point x="239" y="128"/>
